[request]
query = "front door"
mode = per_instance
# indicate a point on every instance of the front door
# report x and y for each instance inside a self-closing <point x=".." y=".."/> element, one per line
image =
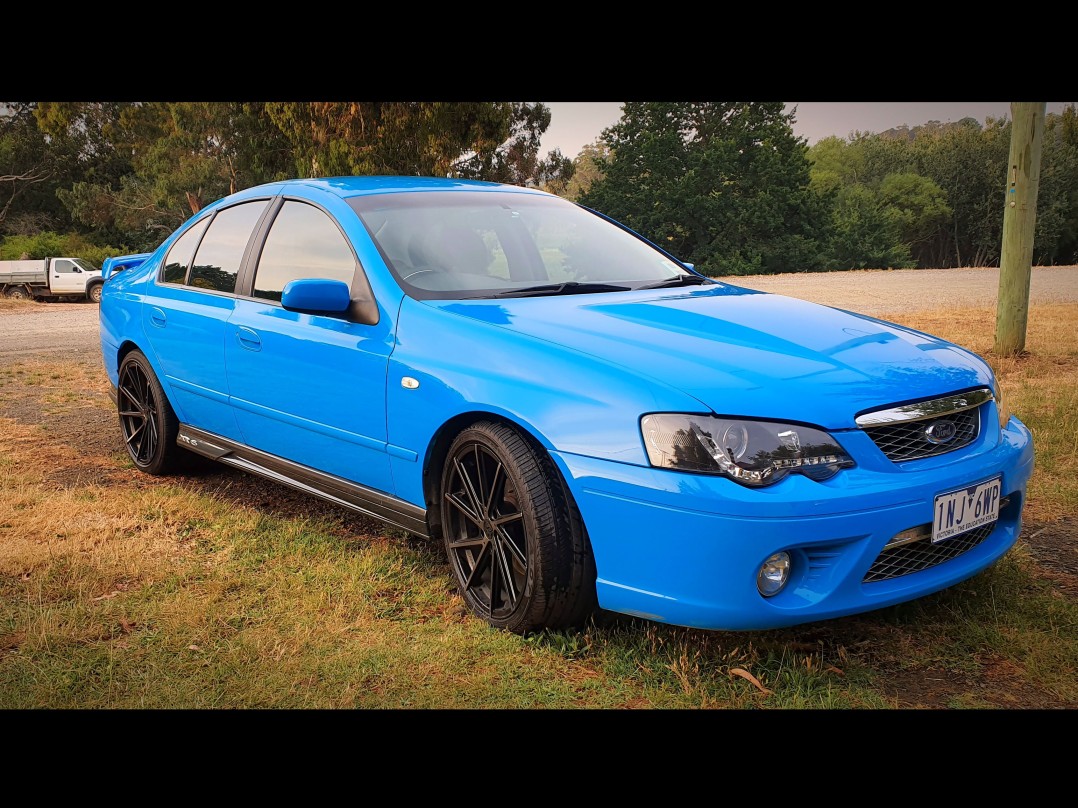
<point x="309" y="387"/>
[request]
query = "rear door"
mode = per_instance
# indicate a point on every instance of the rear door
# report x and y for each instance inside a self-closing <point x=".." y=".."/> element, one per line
<point x="186" y="310"/>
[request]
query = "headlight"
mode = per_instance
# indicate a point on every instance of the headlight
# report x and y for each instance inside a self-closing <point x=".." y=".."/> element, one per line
<point x="1002" y="410"/>
<point x="751" y="452"/>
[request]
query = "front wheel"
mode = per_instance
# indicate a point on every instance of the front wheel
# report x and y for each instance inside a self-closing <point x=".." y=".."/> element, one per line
<point x="147" y="421"/>
<point x="515" y="540"/>
<point x="94" y="293"/>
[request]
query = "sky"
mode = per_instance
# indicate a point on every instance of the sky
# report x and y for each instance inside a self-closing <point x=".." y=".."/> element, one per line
<point x="573" y="124"/>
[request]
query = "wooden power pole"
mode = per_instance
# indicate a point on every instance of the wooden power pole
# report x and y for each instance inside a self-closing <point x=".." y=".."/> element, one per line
<point x="1019" y="219"/>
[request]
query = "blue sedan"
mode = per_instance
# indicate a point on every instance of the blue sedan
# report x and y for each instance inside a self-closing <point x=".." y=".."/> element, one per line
<point x="583" y="421"/>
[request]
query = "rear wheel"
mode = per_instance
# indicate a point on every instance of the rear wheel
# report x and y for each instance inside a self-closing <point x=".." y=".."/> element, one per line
<point x="515" y="540"/>
<point x="17" y="293"/>
<point x="94" y="292"/>
<point x="147" y="421"/>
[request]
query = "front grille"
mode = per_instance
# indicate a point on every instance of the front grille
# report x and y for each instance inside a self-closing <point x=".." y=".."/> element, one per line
<point x="926" y="428"/>
<point x="909" y="440"/>
<point x="915" y="556"/>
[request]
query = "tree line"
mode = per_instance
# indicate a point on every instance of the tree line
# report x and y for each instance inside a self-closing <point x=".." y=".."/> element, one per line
<point x="727" y="186"/>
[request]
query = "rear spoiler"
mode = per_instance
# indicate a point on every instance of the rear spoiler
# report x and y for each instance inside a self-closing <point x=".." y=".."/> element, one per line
<point x="118" y="263"/>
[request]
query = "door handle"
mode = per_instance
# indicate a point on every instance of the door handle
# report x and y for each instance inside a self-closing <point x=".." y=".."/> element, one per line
<point x="248" y="338"/>
<point x="157" y="317"/>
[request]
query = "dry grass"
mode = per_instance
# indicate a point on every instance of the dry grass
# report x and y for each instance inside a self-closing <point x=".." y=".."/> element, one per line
<point x="119" y="590"/>
<point x="1040" y="387"/>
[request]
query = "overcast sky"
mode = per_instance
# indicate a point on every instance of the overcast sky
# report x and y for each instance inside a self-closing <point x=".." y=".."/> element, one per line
<point x="573" y="124"/>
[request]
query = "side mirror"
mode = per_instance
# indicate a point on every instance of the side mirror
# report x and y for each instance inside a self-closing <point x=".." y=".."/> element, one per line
<point x="316" y="296"/>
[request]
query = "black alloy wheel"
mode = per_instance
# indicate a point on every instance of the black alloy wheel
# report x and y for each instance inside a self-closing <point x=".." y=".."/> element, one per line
<point x="515" y="540"/>
<point x="147" y="421"/>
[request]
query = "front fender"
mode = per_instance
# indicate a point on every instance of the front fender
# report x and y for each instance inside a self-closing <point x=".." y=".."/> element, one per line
<point x="446" y="365"/>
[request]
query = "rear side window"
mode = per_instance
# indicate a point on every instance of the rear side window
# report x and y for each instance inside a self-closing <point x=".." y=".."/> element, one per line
<point x="217" y="261"/>
<point x="178" y="260"/>
<point x="304" y="242"/>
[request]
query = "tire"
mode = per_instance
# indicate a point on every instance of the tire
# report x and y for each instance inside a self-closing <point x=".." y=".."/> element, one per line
<point x="147" y="420"/>
<point x="17" y="293"/>
<point x="94" y="293"/>
<point x="515" y="540"/>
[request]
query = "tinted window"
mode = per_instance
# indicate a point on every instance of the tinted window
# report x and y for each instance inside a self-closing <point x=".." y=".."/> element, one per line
<point x="179" y="256"/>
<point x="302" y="243"/>
<point x="218" y="258"/>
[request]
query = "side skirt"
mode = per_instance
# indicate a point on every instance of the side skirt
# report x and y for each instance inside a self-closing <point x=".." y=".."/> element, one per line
<point x="334" y="489"/>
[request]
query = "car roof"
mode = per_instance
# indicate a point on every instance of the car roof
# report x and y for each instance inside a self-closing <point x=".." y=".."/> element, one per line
<point x="346" y="187"/>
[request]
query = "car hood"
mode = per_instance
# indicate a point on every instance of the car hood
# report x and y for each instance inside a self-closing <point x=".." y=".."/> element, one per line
<point x="743" y="352"/>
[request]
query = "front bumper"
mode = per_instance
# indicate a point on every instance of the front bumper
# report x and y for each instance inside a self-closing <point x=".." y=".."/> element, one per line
<point x="685" y="549"/>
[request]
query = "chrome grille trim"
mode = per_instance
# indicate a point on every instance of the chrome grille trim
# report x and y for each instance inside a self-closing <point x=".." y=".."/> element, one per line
<point x="920" y="410"/>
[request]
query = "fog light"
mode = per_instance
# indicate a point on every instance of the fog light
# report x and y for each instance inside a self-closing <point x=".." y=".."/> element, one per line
<point x="773" y="574"/>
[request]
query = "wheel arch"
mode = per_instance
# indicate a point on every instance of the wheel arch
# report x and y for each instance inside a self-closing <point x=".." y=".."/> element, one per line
<point x="129" y="345"/>
<point x="438" y="449"/>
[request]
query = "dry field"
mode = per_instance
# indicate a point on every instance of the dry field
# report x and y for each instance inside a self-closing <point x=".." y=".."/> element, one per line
<point x="216" y="589"/>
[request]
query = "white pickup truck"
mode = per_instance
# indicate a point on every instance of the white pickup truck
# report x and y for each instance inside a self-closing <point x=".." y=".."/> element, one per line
<point x="51" y="279"/>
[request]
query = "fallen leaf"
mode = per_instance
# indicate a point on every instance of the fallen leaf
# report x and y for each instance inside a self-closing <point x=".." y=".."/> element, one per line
<point x="193" y="648"/>
<point x="744" y="674"/>
<point x="833" y="669"/>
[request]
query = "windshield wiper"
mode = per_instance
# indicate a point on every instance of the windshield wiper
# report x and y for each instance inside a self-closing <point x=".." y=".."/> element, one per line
<point x="567" y="288"/>
<point x="680" y="280"/>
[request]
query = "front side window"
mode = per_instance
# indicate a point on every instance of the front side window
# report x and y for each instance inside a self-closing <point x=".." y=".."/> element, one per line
<point x="217" y="261"/>
<point x="303" y="242"/>
<point x="178" y="260"/>
<point x="63" y="265"/>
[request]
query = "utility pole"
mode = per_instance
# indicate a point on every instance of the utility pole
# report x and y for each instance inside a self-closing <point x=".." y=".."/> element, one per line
<point x="1019" y="219"/>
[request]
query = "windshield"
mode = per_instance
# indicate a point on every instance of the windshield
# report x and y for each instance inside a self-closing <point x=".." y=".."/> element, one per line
<point x="468" y="244"/>
<point x="84" y="265"/>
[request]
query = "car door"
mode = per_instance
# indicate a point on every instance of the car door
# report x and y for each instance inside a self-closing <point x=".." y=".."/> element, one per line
<point x="65" y="277"/>
<point x="309" y="388"/>
<point x="186" y="309"/>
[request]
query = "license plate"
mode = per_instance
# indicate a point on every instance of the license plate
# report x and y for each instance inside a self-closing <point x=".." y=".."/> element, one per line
<point x="962" y="510"/>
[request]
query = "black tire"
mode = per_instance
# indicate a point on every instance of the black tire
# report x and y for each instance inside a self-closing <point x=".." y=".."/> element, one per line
<point x="94" y="293"/>
<point x="17" y="293"/>
<point x="147" y="420"/>
<point x="516" y="544"/>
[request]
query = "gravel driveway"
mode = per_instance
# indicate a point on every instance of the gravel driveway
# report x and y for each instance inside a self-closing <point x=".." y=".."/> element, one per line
<point x="881" y="291"/>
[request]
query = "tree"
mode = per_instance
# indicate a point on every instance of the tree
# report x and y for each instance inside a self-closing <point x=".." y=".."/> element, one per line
<point x="29" y="173"/>
<point x="589" y="166"/>
<point x="182" y="155"/>
<point x="480" y="140"/>
<point x="724" y="185"/>
<point x="865" y="233"/>
<point x="1056" y="237"/>
<point x="920" y="209"/>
